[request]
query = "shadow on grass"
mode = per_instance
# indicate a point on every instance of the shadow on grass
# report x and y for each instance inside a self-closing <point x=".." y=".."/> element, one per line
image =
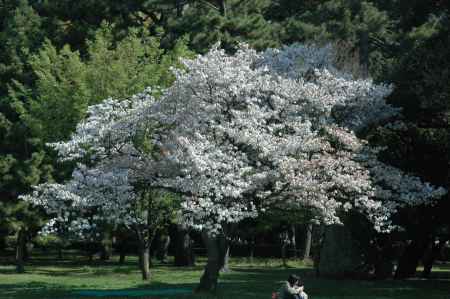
<point x="245" y="286"/>
<point x="32" y="290"/>
<point x="40" y="290"/>
<point x="241" y="283"/>
<point x="8" y="271"/>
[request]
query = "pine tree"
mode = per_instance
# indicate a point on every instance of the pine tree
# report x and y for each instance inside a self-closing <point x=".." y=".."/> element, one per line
<point x="22" y="161"/>
<point x="228" y="22"/>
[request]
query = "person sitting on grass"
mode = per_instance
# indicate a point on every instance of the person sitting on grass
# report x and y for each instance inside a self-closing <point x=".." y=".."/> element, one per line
<point x="293" y="289"/>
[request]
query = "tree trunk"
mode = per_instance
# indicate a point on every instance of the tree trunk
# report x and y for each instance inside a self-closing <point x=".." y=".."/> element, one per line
<point x="106" y="249"/>
<point x="284" y="242"/>
<point x="364" y="53"/>
<point x="216" y="249"/>
<point x="144" y="260"/>
<point x="122" y="247"/>
<point x="252" y="244"/>
<point x="20" y="246"/>
<point x="226" y="259"/>
<point x="184" y="254"/>
<point x="340" y="255"/>
<point x="429" y="258"/>
<point x="284" y="238"/>
<point x="222" y="7"/>
<point x="384" y="257"/>
<point x="308" y="241"/>
<point x="180" y="8"/>
<point x="293" y="241"/>
<point x="163" y="248"/>
<point x="60" y="252"/>
<point x="410" y="258"/>
<point x="122" y="256"/>
<point x="26" y="250"/>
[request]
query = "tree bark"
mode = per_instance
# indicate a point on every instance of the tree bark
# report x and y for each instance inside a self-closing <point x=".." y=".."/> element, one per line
<point x="410" y="259"/>
<point x="20" y="246"/>
<point x="222" y="7"/>
<point x="226" y="259"/>
<point x="252" y="244"/>
<point x="293" y="241"/>
<point x="106" y="249"/>
<point x="26" y="250"/>
<point x="364" y="53"/>
<point x="216" y="249"/>
<point x="284" y="238"/>
<point x="144" y="259"/>
<point x="384" y="257"/>
<point x="122" y="247"/>
<point x="308" y="241"/>
<point x="184" y="254"/>
<point x="431" y="257"/>
<point x="122" y="256"/>
<point x="163" y="248"/>
<point x="180" y="5"/>
<point x="340" y="255"/>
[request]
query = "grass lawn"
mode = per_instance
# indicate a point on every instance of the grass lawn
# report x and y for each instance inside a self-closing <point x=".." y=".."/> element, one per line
<point x="59" y="279"/>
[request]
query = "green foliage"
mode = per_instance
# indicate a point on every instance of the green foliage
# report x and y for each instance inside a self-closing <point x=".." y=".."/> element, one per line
<point x="421" y="76"/>
<point x="58" y="57"/>
<point x="20" y="166"/>
<point x="45" y="91"/>
<point x="20" y="36"/>
<point x="206" y="25"/>
<point x="50" y="242"/>
<point x="67" y="84"/>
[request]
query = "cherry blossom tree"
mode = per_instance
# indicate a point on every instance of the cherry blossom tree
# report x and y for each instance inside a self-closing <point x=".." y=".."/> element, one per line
<point x="238" y="134"/>
<point x="111" y="190"/>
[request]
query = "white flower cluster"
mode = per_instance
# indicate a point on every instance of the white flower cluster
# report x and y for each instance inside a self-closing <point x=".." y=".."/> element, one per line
<point x="236" y="132"/>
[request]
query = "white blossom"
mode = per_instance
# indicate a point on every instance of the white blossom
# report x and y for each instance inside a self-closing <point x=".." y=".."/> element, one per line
<point x="237" y="134"/>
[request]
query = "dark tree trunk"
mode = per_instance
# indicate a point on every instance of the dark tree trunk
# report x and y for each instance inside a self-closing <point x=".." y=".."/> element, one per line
<point x="340" y="254"/>
<point x="252" y="244"/>
<point x="222" y="7"/>
<point x="184" y="254"/>
<point x="122" y="247"/>
<point x="180" y="7"/>
<point x="226" y="259"/>
<point x="293" y="241"/>
<point x="106" y="249"/>
<point x="122" y="257"/>
<point x="216" y="249"/>
<point x="383" y="258"/>
<point x="284" y="238"/>
<point x="144" y="260"/>
<point x="20" y="246"/>
<point x="145" y="239"/>
<point x="163" y="249"/>
<point x="384" y="269"/>
<point x="26" y="250"/>
<point x="410" y="259"/>
<point x="364" y="53"/>
<point x="431" y="256"/>
<point x="3" y="234"/>
<point x="308" y="241"/>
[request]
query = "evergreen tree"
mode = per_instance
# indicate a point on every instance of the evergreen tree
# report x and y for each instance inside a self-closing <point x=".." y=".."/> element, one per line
<point x="423" y="141"/>
<point x="227" y="22"/>
<point x="46" y="91"/>
<point x="22" y="161"/>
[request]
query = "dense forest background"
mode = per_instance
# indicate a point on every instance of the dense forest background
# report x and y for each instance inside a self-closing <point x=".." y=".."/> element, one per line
<point x="59" y="57"/>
